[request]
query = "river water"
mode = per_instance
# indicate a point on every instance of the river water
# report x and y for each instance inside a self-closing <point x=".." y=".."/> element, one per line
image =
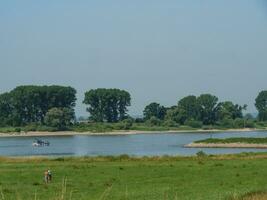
<point x="151" y="144"/>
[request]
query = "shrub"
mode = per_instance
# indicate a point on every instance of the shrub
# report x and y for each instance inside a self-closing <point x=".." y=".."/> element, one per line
<point x="18" y="130"/>
<point x="226" y="123"/>
<point x="125" y="124"/>
<point x="170" y="123"/>
<point x="239" y="123"/>
<point x="193" y="123"/>
<point x="139" y="120"/>
<point x="201" y="154"/>
<point x="30" y="127"/>
<point x="153" y="121"/>
<point x="262" y="124"/>
<point x="59" y="117"/>
<point x="250" y="124"/>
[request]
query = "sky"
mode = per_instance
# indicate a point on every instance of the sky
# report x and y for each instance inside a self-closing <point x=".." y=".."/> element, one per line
<point x="157" y="50"/>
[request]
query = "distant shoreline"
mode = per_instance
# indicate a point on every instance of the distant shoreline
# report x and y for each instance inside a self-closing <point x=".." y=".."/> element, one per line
<point x="226" y="145"/>
<point x="125" y="132"/>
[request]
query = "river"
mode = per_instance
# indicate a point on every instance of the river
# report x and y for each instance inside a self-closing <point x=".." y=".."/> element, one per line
<point x="147" y="144"/>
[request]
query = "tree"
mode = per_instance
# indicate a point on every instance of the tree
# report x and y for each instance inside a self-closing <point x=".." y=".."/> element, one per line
<point x="107" y="104"/>
<point x="154" y="110"/>
<point x="153" y="121"/>
<point x="59" y="117"/>
<point x="5" y="109"/>
<point x="261" y="105"/>
<point x="229" y="110"/>
<point x="176" y="114"/>
<point x="27" y="104"/>
<point x="189" y="107"/>
<point x="208" y="108"/>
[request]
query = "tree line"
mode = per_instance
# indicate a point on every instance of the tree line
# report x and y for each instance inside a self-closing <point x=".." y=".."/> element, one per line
<point x="54" y="106"/>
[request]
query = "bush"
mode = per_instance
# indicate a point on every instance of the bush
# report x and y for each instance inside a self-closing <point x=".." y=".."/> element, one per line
<point x="262" y="124"/>
<point x="239" y="123"/>
<point x="59" y="118"/>
<point x="153" y="121"/>
<point x="170" y="123"/>
<point x="193" y="123"/>
<point x="226" y="123"/>
<point x="18" y="130"/>
<point x="139" y="120"/>
<point x="125" y="124"/>
<point x="250" y="123"/>
<point x="201" y="154"/>
<point x="30" y="127"/>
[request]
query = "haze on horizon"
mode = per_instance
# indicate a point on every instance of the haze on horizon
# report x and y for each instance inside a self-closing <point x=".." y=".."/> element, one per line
<point x="157" y="50"/>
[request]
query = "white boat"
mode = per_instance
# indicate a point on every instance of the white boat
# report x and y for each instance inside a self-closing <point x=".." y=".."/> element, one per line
<point x="40" y="143"/>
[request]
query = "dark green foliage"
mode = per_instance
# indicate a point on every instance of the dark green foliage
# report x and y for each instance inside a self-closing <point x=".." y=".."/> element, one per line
<point x="239" y="123"/>
<point x="170" y="123"/>
<point x="194" y="123"/>
<point x="249" y="123"/>
<point x="226" y="123"/>
<point x="59" y="118"/>
<point x="229" y="110"/>
<point x="154" y="110"/>
<point x="125" y="124"/>
<point x="189" y="108"/>
<point x="234" y="140"/>
<point x="207" y="110"/>
<point x="28" y="104"/>
<point x="261" y="105"/>
<point x="153" y="121"/>
<point x="208" y="105"/>
<point x="201" y="154"/>
<point x="107" y="104"/>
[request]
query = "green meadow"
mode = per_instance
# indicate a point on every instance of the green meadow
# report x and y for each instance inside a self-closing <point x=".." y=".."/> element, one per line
<point x="193" y="178"/>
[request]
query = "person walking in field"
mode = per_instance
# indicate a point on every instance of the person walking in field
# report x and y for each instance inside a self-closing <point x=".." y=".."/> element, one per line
<point x="46" y="176"/>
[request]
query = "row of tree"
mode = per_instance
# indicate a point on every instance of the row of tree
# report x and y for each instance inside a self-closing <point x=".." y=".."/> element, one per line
<point x="206" y="108"/>
<point x="28" y="104"/>
<point x="55" y="105"/>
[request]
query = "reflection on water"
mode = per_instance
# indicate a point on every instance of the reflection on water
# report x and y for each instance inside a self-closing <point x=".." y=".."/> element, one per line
<point x="137" y="145"/>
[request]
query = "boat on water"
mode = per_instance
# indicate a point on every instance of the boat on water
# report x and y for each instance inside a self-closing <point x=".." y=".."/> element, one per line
<point x="40" y="143"/>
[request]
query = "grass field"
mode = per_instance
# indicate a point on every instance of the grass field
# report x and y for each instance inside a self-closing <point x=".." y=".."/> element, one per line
<point x="196" y="178"/>
<point x="234" y="140"/>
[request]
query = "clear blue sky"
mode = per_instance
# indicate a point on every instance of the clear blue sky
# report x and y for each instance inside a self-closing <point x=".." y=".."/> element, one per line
<point x="157" y="50"/>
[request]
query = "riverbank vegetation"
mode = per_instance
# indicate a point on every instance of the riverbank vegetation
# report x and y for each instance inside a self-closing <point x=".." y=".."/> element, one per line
<point x="234" y="140"/>
<point x="123" y="177"/>
<point x="51" y="108"/>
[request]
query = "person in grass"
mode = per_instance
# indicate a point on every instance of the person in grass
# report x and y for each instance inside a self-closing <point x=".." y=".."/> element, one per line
<point x="46" y="176"/>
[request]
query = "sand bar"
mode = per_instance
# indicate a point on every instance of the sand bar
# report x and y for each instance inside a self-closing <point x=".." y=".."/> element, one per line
<point x="226" y="145"/>
<point x="122" y="132"/>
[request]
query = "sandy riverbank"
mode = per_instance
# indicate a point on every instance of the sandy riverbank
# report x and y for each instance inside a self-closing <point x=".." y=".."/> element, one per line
<point x="131" y="132"/>
<point x="226" y="145"/>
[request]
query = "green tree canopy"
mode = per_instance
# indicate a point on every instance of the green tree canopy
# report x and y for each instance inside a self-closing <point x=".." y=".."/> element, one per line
<point x="107" y="104"/>
<point x="177" y="115"/>
<point x="261" y="105"/>
<point x="230" y="110"/>
<point x="59" y="118"/>
<point x="208" y="105"/>
<point x="189" y="107"/>
<point x="154" y="110"/>
<point x="26" y="104"/>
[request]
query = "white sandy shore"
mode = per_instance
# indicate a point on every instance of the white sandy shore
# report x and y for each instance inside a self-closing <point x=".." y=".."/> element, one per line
<point x="226" y="145"/>
<point x="131" y="132"/>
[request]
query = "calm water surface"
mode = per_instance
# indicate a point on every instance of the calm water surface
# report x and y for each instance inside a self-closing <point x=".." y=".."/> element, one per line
<point x="136" y="145"/>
